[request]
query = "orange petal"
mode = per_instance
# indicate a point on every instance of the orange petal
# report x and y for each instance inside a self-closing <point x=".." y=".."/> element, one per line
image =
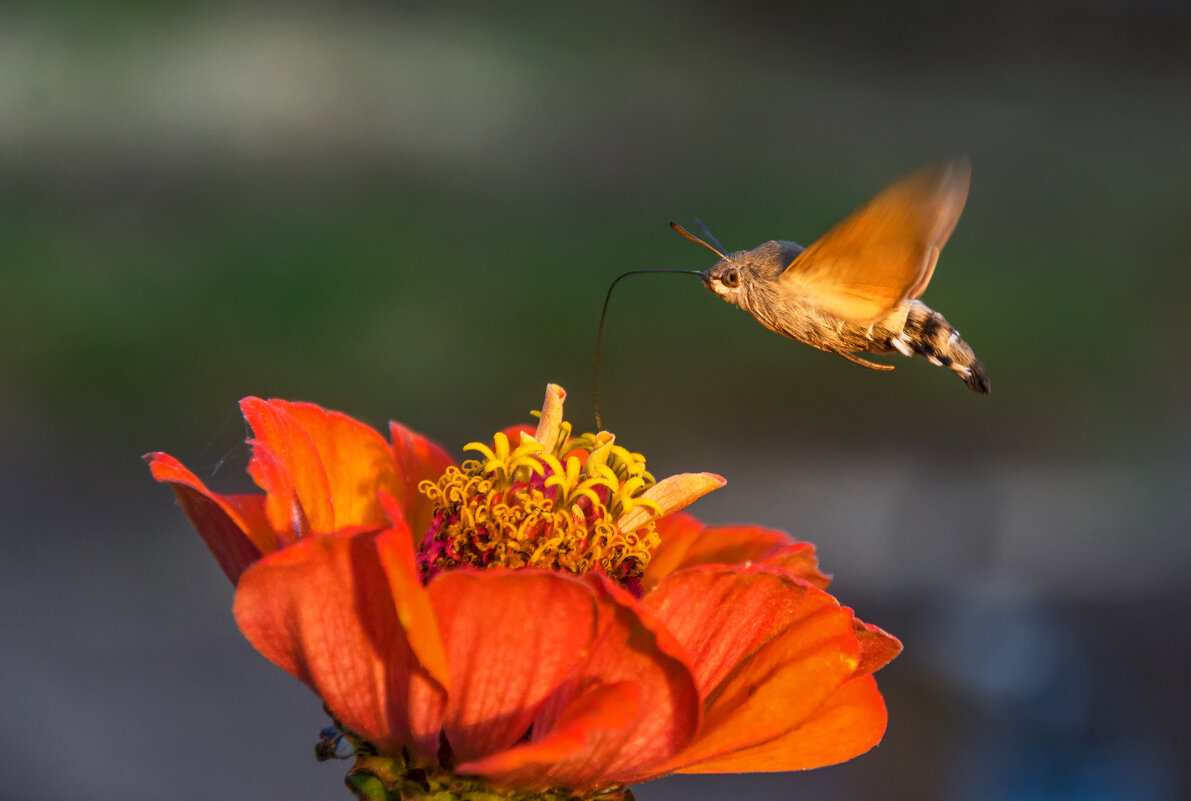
<point x="877" y="647"/>
<point x="685" y="542"/>
<point x="604" y="707"/>
<point x="234" y="538"/>
<point x="357" y="461"/>
<point x="672" y="494"/>
<point x="782" y="684"/>
<point x="734" y="545"/>
<point x="511" y="638"/>
<point x="636" y="659"/>
<point x="722" y="615"/>
<point x="335" y="464"/>
<point x="676" y="533"/>
<point x="415" y="612"/>
<point x="321" y="611"/>
<point x="849" y="724"/>
<point x="285" y="457"/>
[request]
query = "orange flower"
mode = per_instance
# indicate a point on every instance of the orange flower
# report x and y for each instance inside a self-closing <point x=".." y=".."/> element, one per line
<point x="541" y="620"/>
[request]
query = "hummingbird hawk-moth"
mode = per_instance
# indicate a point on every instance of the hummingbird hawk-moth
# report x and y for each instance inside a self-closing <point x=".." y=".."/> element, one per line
<point x="856" y="288"/>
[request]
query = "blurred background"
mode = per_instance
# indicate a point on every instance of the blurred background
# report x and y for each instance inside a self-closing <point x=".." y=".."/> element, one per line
<point x="409" y="212"/>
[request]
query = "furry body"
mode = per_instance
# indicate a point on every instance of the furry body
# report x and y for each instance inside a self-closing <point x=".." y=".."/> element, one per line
<point x="750" y="279"/>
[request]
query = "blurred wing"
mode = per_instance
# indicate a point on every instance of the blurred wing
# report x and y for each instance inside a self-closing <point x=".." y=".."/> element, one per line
<point x="885" y="251"/>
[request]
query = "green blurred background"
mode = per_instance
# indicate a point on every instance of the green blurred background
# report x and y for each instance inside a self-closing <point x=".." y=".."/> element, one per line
<point x="412" y="212"/>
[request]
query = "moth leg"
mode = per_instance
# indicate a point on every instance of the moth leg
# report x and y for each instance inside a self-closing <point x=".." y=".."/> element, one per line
<point x="854" y="359"/>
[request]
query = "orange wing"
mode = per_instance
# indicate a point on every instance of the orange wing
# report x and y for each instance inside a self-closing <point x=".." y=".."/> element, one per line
<point x="886" y="250"/>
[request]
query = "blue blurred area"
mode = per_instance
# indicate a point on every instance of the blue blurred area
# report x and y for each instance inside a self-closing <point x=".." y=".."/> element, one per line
<point x="1048" y="713"/>
<point x="413" y="212"/>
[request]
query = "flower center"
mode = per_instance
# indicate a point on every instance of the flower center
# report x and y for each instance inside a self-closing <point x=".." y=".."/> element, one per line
<point x="553" y="505"/>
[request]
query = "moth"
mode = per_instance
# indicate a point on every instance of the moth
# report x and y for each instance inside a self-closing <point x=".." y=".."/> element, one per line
<point x="856" y="288"/>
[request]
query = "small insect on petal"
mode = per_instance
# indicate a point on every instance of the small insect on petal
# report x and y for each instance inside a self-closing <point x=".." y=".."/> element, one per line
<point x="332" y="744"/>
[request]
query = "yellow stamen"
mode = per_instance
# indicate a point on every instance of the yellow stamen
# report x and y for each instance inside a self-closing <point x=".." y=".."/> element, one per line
<point x="554" y="504"/>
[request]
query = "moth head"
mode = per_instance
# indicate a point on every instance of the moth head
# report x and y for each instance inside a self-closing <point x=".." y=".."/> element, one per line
<point x="724" y="279"/>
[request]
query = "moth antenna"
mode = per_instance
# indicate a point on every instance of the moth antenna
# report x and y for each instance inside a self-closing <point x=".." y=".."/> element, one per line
<point x="710" y="236"/>
<point x="595" y="383"/>
<point x="695" y="239"/>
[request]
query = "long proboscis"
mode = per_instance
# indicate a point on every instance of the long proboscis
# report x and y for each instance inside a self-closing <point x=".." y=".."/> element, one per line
<point x="595" y="384"/>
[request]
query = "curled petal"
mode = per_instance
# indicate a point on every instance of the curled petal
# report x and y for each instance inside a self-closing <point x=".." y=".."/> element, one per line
<point x="232" y="526"/>
<point x="799" y="560"/>
<point x="851" y="722"/>
<point x="671" y="494"/>
<point x="550" y="422"/>
<point x="877" y="647"/>
<point x="322" y="612"/>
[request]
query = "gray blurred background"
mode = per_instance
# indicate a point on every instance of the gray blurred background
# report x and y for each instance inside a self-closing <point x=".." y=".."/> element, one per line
<point x="408" y="212"/>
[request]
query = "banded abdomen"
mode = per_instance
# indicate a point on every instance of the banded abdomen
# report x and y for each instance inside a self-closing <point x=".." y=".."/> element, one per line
<point x="926" y="332"/>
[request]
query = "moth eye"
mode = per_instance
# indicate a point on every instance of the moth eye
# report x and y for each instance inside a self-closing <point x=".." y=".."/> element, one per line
<point x="730" y="279"/>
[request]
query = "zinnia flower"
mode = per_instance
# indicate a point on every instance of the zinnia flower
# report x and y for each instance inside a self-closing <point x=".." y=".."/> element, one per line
<point x="539" y="622"/>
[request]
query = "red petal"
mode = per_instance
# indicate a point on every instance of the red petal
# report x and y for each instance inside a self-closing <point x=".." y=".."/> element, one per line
<point x="235" y="539"/>
<point x="613" y="746"/>
<point x="800" y="561"/>
<point x="877" y="647"/>
<point x="321" y="611"/>
<point x="418" y="459"/>
<point x="251" y="509"/>
<point x="850" y="723"/>
<point x="515" y="431"/>
<point x="335" y="464"/>
<point x="511" y="638"/>
<point x="283" y="510"/>
<point x="779" y="685"/>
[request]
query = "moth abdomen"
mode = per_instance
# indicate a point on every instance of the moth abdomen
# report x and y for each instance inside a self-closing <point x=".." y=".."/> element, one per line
<point x="928" y="333"/>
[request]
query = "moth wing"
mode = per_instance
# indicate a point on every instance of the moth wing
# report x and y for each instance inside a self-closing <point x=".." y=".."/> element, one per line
<point x="885" y="251"/>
